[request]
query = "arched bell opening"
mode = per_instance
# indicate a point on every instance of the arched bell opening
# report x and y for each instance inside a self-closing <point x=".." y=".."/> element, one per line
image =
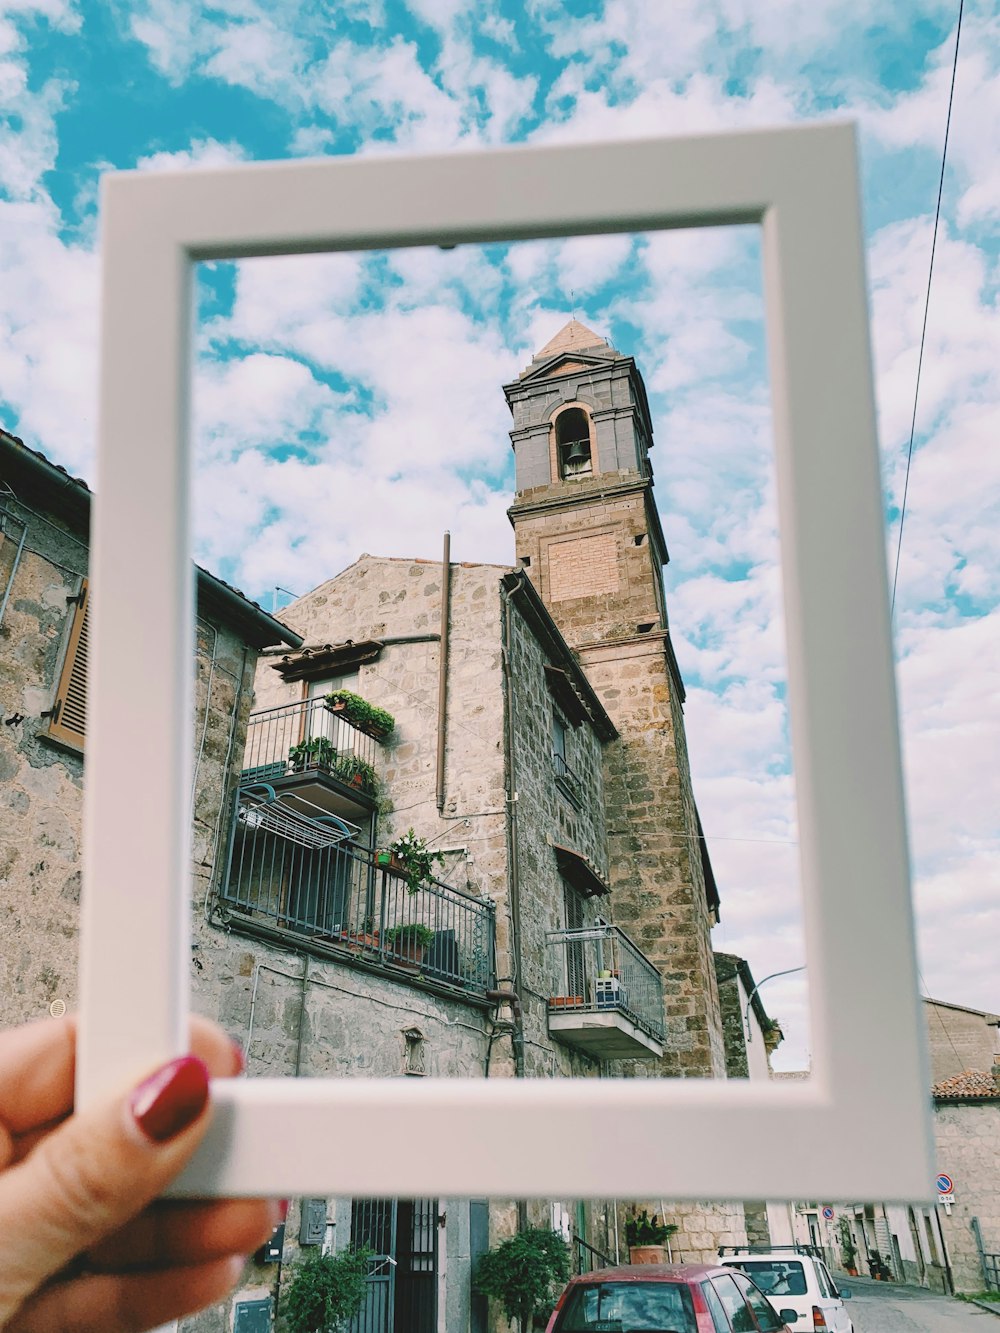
<point x="574" y="451"/>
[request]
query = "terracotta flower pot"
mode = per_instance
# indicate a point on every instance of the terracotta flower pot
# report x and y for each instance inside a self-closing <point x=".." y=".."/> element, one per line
<point x="647" y="1254"/>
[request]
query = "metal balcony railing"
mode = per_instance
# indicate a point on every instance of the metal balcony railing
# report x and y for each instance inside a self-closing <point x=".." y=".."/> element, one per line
<point x="598" y="969"/>
<point x="307" y="738"/>
<point x="301" y="873"/>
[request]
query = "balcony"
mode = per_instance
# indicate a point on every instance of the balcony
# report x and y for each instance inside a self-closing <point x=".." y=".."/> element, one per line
<point x="314" y="758"/>
<point x="607" y="997"/>
<point x="295" y="871"/>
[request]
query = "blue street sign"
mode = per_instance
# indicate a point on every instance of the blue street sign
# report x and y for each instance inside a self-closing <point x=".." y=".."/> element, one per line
<point x="945" y="1184"/>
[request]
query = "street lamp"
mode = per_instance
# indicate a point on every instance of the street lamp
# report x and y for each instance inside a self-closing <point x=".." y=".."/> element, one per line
<point x="746" y="1012"/>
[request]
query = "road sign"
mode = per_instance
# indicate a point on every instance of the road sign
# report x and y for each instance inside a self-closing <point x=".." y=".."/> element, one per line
<point x="828" y="1213"/>
<point x="944" y="1184"/>
<point x="946" y="1199"/>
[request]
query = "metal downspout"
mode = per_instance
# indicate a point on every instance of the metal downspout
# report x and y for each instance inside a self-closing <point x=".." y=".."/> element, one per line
<point x="513" y="891"/>
<point x="13" y="571"/>
<point x="302" y="1014"/>
<point x="442" y="727"/>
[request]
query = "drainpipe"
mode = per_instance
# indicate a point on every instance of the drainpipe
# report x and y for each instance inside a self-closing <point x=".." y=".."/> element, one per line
<point x="302" y="1014"/>
<point x="513" y="890"/>
<point x="443" y="672"/>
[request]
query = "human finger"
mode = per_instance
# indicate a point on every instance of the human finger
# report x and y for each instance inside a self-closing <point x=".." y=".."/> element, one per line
<point x="38" y="1067"/>
<point x="127" y="1303"/>
<point x="176" y="1232"/>
<point x="96" y="1170"/>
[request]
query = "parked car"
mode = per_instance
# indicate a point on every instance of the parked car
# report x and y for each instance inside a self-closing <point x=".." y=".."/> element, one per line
<point x="795" y="1276"/>
<point x="666" y="1298"/>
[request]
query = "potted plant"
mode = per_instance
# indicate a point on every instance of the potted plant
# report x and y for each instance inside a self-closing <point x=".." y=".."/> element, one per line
<point x="411" y="859"/>
<point x="848" y="1252"/>
<point x="357" y="772"/>
<point x="409" y="942"/>
<point x="524" y="1273"/>
<point x="316" y="752"/>
<point x="369" y="718"/>
<point x="647" y="1237"/>
<point x="326" y="1291"/>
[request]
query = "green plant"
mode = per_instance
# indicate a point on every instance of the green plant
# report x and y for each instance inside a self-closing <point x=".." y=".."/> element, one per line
<point x="641" y="1229"/>
<point x="848" y="1252"/>
<point x="326" y="1291"/>
<point x="405" y="936"/>
<point x="415" y="858"/>
<point x="348" y="767"/>
<point x="361" y="713"/>
<point x="522" y="1273"/>
<point x="317" y="752"/>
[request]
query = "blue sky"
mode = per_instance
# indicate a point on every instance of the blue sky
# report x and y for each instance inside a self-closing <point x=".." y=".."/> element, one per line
<point x="325" y="379"/>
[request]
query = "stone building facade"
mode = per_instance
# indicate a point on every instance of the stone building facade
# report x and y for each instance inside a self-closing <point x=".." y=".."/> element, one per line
<point x="538" y="746"/>
<point x="44" y="594"/>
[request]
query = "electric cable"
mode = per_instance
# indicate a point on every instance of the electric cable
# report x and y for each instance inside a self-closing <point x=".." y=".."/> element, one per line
<point x="927" y="303"/>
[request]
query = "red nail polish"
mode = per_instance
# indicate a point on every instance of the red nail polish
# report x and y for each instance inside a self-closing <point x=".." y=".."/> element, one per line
<point x="240" y="1058"/>
<point x="282" y="1209"/>
<point x="171" y="1099"/>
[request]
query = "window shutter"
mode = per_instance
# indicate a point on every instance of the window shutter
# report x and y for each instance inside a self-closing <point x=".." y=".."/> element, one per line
<point x="69" y="713"/>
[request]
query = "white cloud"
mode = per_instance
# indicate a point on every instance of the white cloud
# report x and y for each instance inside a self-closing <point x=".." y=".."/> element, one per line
<point x="202" y="153"/>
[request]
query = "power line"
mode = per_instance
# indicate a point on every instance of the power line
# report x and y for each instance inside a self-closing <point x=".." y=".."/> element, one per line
<point x="927" y="302"/>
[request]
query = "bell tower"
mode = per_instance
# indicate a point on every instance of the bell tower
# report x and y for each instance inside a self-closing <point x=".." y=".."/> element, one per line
<point x="588" y="535"/>
<point x="585" y="524"/>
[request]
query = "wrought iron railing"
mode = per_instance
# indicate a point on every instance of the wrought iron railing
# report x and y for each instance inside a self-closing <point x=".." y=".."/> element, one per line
<point x="587" y="1258"/>
<point x="597" y="969"/>
<point x="303" y="874"/>
<point x="991" y="1270"/>
<point x="306" y="737"/>
<point x="565" y="776"/>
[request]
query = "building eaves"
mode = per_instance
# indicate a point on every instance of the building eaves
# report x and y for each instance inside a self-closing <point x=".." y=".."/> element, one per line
<point x="991" y="1020"/>
<point x="68" y="497"/>
<point x="739" y="967"/>
<point x="517" y="584"/>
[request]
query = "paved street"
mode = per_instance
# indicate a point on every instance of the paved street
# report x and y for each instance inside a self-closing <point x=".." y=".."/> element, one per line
<point x="887" y="1307"/>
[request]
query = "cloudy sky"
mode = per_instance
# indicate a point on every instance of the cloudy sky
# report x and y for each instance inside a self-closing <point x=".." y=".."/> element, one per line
<point x="352" y="403"/>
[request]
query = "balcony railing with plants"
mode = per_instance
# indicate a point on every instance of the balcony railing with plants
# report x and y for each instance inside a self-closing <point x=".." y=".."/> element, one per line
<point x="301" y="873"/>
<point x="598" y="969"/>
<point x="307" y="738"/>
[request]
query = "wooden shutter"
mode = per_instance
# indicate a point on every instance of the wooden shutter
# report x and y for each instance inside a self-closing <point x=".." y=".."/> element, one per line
<point x="69" y="711"/>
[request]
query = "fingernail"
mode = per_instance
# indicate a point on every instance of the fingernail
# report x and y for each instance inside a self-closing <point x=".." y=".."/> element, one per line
<point x="171" y="1099"/>
<point x="282" y="1209"/>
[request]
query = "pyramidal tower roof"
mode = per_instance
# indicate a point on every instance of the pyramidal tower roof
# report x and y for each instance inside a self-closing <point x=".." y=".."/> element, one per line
<point x="572" y="337"/>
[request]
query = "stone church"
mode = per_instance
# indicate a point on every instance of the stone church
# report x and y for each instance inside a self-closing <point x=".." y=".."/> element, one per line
<point x="526" y="723"/>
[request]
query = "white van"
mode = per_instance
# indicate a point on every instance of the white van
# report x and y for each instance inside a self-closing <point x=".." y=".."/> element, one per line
<point x="795" y="1277"/>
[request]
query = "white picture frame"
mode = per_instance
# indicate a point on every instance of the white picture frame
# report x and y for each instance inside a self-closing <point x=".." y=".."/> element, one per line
<point x="859" y="1127"/>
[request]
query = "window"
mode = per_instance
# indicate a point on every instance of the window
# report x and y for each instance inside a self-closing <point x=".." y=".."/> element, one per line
<point x="777" y="1277"/>
<point x="576" y="967"/>
<point x="628" y="1305"/>
<point x="715" y="1308"/>
<point x="558" y="742"/>
<point x="566" y="779"/>
<point x="767" y="1316"/>
<point x="573" y="443"/>
<point x="68" y="718"/>
<point x="734" y="1305"/>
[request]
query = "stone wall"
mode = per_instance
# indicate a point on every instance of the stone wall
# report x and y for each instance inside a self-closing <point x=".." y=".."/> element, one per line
<point x="959" y="1039"/>
<point x="41" y="783"/>
<point x="547" y="814"/>
<point x="967" y="1144"/>
<point x="655" y="854"/>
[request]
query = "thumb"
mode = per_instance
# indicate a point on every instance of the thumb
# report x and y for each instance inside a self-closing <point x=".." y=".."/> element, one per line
<point x="94" y="1172"/>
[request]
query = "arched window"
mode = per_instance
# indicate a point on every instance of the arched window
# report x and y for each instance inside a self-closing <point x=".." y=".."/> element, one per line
<point x="573" y="443"/>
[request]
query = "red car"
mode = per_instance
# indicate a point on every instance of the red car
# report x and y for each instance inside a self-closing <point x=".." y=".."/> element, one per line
<point x="666" y="1298"/>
